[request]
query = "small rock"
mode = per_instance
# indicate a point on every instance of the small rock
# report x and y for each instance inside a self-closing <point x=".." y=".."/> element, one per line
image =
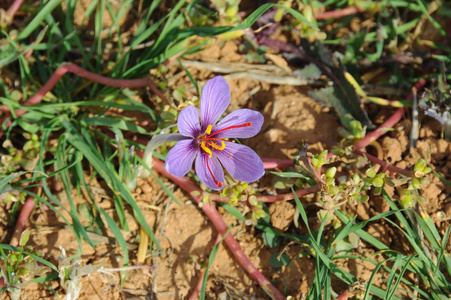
<point x="281" y="215"/>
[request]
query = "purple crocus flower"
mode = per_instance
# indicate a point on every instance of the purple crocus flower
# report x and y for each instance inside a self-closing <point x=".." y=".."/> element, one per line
<point x="206" y="141"/>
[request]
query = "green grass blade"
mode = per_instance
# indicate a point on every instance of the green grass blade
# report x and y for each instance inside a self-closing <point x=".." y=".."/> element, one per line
<point x="109" y="220"/>
<point x="253" y="17"/>
<point x="35" y="257"/>
<point x="36" y="22"/>
<point x="110" y="176"/>
<point x="210" y="262"/>
<point x="346" y="277"/>
<point x="116" y="123"/>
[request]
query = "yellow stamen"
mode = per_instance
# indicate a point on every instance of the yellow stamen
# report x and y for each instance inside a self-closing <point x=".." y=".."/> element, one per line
<point x="222" y="147"/>
<point x="206" y="149"/>
<point x="208" y="130"/>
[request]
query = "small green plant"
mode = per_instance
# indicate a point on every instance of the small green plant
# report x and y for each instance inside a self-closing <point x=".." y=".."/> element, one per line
<point x="20" y="266"/>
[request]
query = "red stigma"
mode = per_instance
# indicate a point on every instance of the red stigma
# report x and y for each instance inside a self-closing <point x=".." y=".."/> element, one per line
<point x="249" y="124"/>
<point x="218" y="184"/>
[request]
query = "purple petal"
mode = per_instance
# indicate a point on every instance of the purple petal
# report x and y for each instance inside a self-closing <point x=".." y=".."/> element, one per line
<point x="241" y="162"/>
<point x="214" y="100"/>
<point x="205" y="175"/>
<point x="240" y="117"/>
<point x="180" y="159"/>
<point x="188" y="122"/>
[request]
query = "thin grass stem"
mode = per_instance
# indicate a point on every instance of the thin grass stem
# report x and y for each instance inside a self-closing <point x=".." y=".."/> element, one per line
<point x="196" y="292"/>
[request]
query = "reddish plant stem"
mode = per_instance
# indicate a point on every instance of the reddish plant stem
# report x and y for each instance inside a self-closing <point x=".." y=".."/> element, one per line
<point x="381" y="130"/>
<point x="214" y="216"/>
<point x="338" y="13"/>
<point x="344" y="296"/>
<point x="196" y="291"/>
<point x="385" y="165"/>
<point x="389" y="123"/>
<point x="120" y="83"/>
<point x="20" y="225"/>
<point x="22" y="221"/>
<point x="417" y="86"/>
<point x="272" y="163"/>
<point x="11" y="12"/>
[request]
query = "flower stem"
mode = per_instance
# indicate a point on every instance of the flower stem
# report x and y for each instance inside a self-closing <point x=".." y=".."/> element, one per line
<point x="272" y="163"/>
<point x="344" y="296"/>
<point x="338" y="13"/>
<point x="221" y="227"/>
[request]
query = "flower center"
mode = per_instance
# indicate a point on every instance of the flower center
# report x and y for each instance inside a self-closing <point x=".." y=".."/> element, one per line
<point x="209" y="142"/>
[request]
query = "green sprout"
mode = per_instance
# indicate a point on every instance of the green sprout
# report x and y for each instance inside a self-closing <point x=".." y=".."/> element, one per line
<point x="354" y="130"/>
<point x="257" y="211"/>
<point x="318" y="160"/>
<point x="420" y="170"/>
<point x="19" y="267"/>
<point x="408" y="198"/>
<point x="375" y="180"/>
<point x="242" y="193"/>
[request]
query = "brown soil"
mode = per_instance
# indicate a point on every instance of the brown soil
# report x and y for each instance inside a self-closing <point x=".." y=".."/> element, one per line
<point x="187" y="237"/>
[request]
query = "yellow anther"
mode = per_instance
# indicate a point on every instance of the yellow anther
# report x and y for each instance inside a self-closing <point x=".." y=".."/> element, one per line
<point x="222" y="147"/>
<point x="208" y="130"/>
<point x="206" y="149"/>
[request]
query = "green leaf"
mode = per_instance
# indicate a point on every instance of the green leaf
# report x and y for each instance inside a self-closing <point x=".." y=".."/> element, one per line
<point x="233" y="211"/>
<point x="36" y="22"/>
<point x="115" y="123"/>
<point x="253" y="17"/>
<point x="210" y="262"/>
<point x="34" y="256"/>
<point x="290" y="175"/>
<point x="4" y="186"/>
<point x="270" y="238"/>
<point x="277" y="261"/>
<point x="108" y="175"/>
<point x="310" y="72"/>
<point x="109" y="220"/>
<point x="326" y="96"/>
